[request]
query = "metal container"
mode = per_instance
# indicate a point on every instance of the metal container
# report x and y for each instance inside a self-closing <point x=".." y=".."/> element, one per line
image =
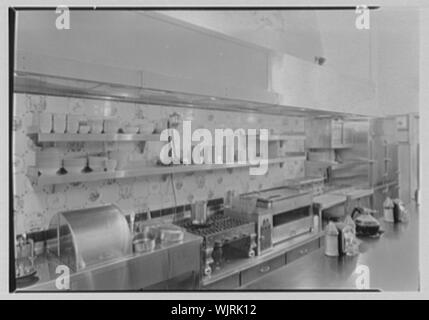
<point x="171" y="234"/>
<point x="199" y="212"/>
<point x="87" y="237"/>
<point x="144" y="244"/>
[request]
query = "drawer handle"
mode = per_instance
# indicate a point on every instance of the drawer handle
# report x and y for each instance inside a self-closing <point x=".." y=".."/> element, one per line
<point x="265" y="269"/>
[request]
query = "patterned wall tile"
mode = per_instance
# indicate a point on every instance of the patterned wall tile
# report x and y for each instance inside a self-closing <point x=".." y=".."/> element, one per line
<point x="34" y="207"/>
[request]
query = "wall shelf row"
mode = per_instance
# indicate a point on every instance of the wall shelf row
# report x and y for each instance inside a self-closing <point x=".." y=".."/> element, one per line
<point x="43" y="180"/>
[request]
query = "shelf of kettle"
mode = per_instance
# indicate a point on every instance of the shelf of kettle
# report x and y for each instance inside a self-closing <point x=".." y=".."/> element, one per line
<point x="62" y="178"/>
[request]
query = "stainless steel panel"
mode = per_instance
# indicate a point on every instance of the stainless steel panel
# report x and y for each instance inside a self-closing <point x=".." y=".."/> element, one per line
<point x="262" y="269"/>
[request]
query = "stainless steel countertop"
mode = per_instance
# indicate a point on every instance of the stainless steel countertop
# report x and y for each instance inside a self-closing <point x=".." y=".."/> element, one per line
<point x="46" y="264"/>
<point x="393" y="262"/>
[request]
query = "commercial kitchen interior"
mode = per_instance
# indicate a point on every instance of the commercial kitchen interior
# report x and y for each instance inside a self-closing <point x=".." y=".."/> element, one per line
<point x="341" y="104"/>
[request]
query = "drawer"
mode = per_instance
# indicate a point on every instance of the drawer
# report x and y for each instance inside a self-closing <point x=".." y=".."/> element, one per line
<point x="228" y="283"/>
<point x="302" y="250"/>
<point x="262" y="269"/>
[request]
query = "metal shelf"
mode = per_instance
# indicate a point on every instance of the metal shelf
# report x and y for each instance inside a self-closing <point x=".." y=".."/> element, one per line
<point x="70" y="137"/>
<point x="44" y="180"/>
<point x="44" y="84"/>
<point x="346" y="146"/>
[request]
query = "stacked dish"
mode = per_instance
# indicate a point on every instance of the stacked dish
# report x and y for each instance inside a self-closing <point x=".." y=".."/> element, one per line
<point x="111" y="126"/>
<point x="97" y="164"/>
<point x="131" y="129"/>
<point x="48" y="161"/>
<point x="74" y="165"/>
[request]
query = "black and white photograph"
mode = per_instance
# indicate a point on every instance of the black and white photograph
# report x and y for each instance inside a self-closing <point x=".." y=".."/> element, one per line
<point x="202" y="149"/>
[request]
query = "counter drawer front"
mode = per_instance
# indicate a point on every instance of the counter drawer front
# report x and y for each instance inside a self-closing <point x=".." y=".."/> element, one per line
<point x="262" y="269"/>
<point x="228" y="283"/>
<point x="302" y="250"/>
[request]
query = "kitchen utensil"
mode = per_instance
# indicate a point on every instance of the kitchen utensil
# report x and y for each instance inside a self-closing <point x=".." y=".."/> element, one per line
<point x="143" y="245"/>
<point x="345" y="232"/>
<point x="366" y="224"/>
<point x="396" y="211"/>
<point x="388" y="207"/>
<point x="45" y="122"/>
<point x="331" y="240"/>
<point x="199" y="212"/>
<point x="59" y="123"/>
<point x="171" y="234"/>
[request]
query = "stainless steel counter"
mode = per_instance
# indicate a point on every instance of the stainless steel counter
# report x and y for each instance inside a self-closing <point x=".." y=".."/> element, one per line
<point x="132" y="272"/>
<point x="392" y="260"/>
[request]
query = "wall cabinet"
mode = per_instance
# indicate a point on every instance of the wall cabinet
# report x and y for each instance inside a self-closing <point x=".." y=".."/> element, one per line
<point x="328" y="134"/>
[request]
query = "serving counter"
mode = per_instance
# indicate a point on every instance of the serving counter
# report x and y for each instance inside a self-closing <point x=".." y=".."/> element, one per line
<point x="135" y="271"/>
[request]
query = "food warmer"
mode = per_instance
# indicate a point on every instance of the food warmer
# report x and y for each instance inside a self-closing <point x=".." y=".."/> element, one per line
<point x="87" y="237"/>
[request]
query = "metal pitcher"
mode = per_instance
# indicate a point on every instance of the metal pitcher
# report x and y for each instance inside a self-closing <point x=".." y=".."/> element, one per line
<point x="199" y="212"/>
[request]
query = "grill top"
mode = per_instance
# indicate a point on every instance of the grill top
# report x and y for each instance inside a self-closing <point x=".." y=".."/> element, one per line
<point x="215" y="224"/>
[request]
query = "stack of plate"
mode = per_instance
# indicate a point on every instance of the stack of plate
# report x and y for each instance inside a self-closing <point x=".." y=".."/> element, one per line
<point x="97" y="164"/>
<point x="111" y="126"/>
<point x="74" y="165"/>
<point x="48" y="161"/>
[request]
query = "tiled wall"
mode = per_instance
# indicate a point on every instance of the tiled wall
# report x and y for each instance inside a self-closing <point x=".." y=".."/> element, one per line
<point x="34" y="207"/>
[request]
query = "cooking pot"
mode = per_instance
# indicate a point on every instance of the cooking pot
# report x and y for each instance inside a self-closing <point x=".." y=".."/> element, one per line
<point x="143" y="243"/>
<point x="365" y="223"/>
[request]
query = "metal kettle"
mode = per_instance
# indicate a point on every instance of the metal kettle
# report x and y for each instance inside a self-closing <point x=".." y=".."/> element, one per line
<point x="366" y="224"/>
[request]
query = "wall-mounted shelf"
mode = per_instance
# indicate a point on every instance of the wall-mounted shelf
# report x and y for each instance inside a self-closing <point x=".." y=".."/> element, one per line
<point x="71" y="137"/>
<point x="44" y="180"/>
<point x="346" y="146"/>
<point x="287" y="136"/>
<point x="350" y="162"/>
<point x="321" y="163"/>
